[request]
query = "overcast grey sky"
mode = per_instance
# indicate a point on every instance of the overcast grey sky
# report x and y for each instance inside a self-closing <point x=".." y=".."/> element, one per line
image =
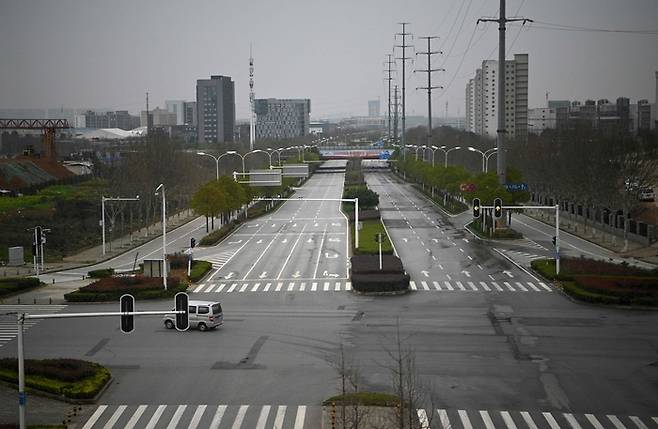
<point x="100" y="53"/>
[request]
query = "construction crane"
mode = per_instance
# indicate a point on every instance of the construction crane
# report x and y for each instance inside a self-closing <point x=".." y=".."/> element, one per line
<point x="47" y="127"/>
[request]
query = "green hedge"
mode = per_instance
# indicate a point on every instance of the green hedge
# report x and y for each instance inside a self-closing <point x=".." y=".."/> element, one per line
<point x="11" y="285"/>
<point x="102" y="273"/>
<point x="386" y="282"/>
<point x="453" y="205"/>
<point x="216" y="236"/>
<point x="82" y="296"/>
<point x="368" y="399"/>
<point x="199" y="270"/>
<point x="82" y="388"/>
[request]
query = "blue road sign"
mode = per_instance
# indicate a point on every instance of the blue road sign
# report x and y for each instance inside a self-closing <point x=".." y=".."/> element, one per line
<point x="385" y="154"/>
<point x="516" y="187"/>
<point x="22" y="398"/>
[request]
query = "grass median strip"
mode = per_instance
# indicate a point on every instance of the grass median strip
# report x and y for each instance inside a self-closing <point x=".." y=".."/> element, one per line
<point x="368" y="238"/>
<point x="13" y="285"/>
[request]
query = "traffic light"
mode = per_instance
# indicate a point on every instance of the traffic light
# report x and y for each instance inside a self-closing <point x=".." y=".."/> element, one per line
<point x="476" y="208"/>
<point x="127" y="305"/>
<point x="498" y="208"/>
<point x="554" y="240"/>
<point x="192" y="242"/>
<point x="182" y="304"/>
<point x="37" y="236"/>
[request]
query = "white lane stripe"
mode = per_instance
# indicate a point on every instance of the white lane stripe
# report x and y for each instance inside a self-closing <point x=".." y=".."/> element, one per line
<point x="314" y="287"/>
<point x="348" y="285"/>
<point x="485" y="287"/>
<point x="535" y="288"/>
<point x="244" y="287"/>
<point x="115" y="417"/>
<point x="486" y="418"/>
<point x="326" y="286"/>
<point x="217" y="419"/>
<point x="280" y="414"/>
<point x="412" y="285"/>
<point x="176" y="418"/>
<point x="198" y="288"/>
<point x="551" y="420"/>
<point x="655" y="419"/>
<point x="545" y="287"/>
<point x="267" y="287"/>
<point x="255" y="288"/>
<point x="437" y="286"/>
<point x="422" y="419"/>
<point x="424" y="283"/>
<point x="528" y="420"/>
<point x="638" y="422"/>
<point x="448" y="285"/>
<point x="262" y="419"/>
<point x="278" y="287"/>
<point x="210" y="287"/>
<point x="509" y="286"/>
<point x="572" y="421"/>
<point x="443" y="418"/>
<point x="466" y="422"/>
<point x="196" y="418"/>
<point x="615" y="421"/>
<point x="136" y="416"/>
<point x="337" y="287"/>
<point x="594" y="421"/>
<point x="520" y="286"/>
<point x="496" y="286"/>
<point x="460" y="286"/>
<point x="232" y="288"/>
<point x="472" y="285"/>
<point x="509" y="422"/>
<point x="237" y="423"/>
<point x="291" y="286"/>
<point x="94" y="417"/>
<point x="301" y="415"/>
<point x="156" y="417"/>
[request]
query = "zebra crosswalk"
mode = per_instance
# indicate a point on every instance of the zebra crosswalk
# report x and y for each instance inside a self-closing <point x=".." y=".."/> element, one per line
<point x="486" y="419"/>
<point x="220" y="259"/>
<point x="204" y="416"/>
<point x="319" y="285"/>
<point x="8" y="327"/>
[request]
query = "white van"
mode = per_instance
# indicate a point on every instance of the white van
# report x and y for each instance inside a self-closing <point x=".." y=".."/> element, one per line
<point x="203" y="315"/>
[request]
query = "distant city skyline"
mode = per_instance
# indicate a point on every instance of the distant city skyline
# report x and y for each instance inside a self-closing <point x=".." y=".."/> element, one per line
<point x="82" y="54"/>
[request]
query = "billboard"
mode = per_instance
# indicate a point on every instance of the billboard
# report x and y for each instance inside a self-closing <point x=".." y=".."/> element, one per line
<point x="295" y="170"/>
<point x="262" y="178"/>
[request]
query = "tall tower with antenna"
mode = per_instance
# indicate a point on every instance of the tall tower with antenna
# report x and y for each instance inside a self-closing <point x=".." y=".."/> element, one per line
<point x="252" y="102"/>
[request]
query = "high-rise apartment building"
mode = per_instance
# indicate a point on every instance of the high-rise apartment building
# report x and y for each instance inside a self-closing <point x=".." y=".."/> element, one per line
<point x="373" y="108"/>
<point x="282" y="118"/>
<point x="482" y="93"/>
<point x="215" y="105"/>
<point x="189" y="116"/>
<point x="176" y="107"/>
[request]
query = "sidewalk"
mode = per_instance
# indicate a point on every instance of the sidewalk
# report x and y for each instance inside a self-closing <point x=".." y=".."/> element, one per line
<point x="94" y="254"/>
<point x="609" y="241"/>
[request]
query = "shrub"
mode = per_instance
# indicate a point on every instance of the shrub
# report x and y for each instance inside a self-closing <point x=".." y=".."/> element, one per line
<point x="387" y="282"/>
<point x="11" y="285"/>
<point x="216" y="236"/>
<point x="199" y="270"/>
<point x="102" y="273"/>
<point x="363" y="264"/>
<point x="149" y="290"/>
<point x="367" y="198"/>
<point x="59" y="369"/>
<point x="177" y="261"/>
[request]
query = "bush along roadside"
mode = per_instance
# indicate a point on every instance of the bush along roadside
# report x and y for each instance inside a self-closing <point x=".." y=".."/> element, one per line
<point x="111" y="289"/>
<point x="199" y="270"/>
<point x="70" y="378"/>
<point x="99" y="274"/>
<point x="13" y="285"/>
<point x="603" y="282"/>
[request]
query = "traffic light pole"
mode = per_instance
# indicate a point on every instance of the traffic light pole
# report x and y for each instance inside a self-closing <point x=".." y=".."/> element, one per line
<point x="20" y="322"/>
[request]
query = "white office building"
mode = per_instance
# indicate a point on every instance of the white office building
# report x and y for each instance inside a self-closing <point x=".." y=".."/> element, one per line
<point x="540" y="119"/>
<point x="482" y="98"/>
<point x="177" y="107"/>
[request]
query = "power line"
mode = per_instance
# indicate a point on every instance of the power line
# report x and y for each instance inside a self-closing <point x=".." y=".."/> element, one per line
<point x="404" y="58"/>
<point x="429" y="70"/>
<point x="563" y="27"/>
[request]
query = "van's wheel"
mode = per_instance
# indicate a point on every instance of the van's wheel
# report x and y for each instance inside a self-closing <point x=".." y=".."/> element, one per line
<point x="169" y="324"/>
<point x="202" y="327"/>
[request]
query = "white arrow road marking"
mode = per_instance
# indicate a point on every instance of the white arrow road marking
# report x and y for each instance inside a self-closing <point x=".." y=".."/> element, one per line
<point x="425" y="273"/>
<point x="273" y="225"/>
<point x="285" y="240"/>
<point x="509" y="274"/>
<point x="334" y="240"/>
<point x="316" y="224"/>
<point x="229" y="275"/>
<point x="405" y="239"/>
<point x="263" y="275"/>
<point x="296" y="275"/>
<point x="294" y="225"/>
<point x="335" y="224"/>
<point x="310" y="240"/>
<point x="436" y="240"/>
<point x="465" y="239"/>
<point x="253" y="226"/>
<point x="330" y="255"/>
<point x="466" y="273"/>
<point x="235" y="242"/>
<point x="259" y="241"/>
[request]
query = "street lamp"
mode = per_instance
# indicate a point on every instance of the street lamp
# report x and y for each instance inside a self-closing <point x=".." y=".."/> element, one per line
<point x="164" y="234"/>
<point x="423" y="148"/>
<point x="217" y="158"/>
<point x="485" y="156"/>
<point x="446" y="152"/>
<point x="103" y="199"/>
<point x="434" y="149"/>
<point x="260" y="150"/>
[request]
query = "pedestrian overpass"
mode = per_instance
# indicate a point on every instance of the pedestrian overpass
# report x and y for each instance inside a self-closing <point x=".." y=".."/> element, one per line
<point x="346" y="152"/>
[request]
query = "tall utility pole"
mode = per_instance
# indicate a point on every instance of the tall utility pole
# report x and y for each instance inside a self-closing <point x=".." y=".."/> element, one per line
<point x="429" y="70"/>
<point x="252" y="103"/>
<point x="148" y="123"/>
<point x="500" y="133"/>
<point x="389" y="78"/>
<point x="396" y="103"/>
<point x="404" y="58"/>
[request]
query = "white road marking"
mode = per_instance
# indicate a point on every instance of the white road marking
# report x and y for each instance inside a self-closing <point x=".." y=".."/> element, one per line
<point x="255" y="288"/>
<point x="520" y="286"/>
<point x="486" y="418"/>
<point x="594" y="421"/>
<point x="262" y="419"/>
<point x="314" y="286"/>
<point x="135" y="417"/>
<point x="496" y="286"/>
<point x="466" y="422"/>
<point x="232" y="288"/>
<point x="217" y="419"/>
<point x="443" y="417"/>
<point x="551" y="420"/>
<point x="528" y="420"/>
<point x="484" y="286"/>
<point x="278" y="287"/>
<point x="301" y="415"/>
<point x="115" y="417"/>
<point x="155" y="417"/>
<point x="615" y="421"/>
<point x="572" y="421"/>
<point x="638" y="422"/>
<point x="242" y="411"/>
<point x="177" y="416"/>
